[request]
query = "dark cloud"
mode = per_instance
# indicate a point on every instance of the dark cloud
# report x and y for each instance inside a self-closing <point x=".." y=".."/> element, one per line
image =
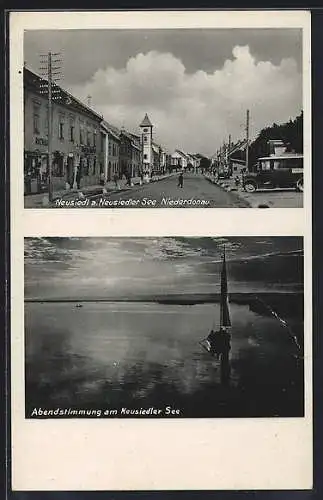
<point x="86" y="51"/>
<point x="123" y="267"/>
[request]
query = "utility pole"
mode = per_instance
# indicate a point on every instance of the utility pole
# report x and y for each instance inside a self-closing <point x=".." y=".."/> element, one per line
<point x="52" y="74"/>
<point x="228" y="155"/>
<point x="247" y="140"/>
<point x="50" y="127"/>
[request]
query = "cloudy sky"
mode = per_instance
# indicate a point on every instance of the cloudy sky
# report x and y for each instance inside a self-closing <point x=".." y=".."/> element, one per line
<point x="108" y="268"/>
<point x="195" y="84"/>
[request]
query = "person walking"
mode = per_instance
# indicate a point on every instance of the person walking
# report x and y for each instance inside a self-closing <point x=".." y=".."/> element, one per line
<point x="180" y="180"/>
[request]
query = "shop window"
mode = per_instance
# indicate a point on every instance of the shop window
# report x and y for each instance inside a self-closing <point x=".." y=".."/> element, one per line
<point x="58" y="165"/>
<point x="86" y="166"/>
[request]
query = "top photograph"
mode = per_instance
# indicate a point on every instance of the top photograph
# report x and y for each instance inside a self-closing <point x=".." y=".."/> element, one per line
<point x="163" y="118"/>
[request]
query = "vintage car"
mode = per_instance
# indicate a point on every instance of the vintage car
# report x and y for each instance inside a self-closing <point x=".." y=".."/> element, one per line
<point x="284" y="171"/>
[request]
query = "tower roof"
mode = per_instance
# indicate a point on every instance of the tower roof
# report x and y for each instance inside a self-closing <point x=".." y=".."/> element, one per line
<point x="146" y="122"/>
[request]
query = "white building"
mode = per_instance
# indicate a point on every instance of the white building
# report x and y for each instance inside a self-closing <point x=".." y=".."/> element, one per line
<point x="179" y="159"/>
<point x="147" y="144"/>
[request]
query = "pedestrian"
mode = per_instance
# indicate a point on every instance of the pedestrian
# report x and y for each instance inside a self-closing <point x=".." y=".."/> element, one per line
<point x="180" y="180"/>
<point x="115" y="178"/>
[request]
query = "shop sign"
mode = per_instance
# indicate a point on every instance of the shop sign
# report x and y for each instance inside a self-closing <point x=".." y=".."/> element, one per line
<point x="88" y="149"/>
<point x="41" y="141"/>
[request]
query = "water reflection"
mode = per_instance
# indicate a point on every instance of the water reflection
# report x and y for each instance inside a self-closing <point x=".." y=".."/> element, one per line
<point x="109" y="355"/>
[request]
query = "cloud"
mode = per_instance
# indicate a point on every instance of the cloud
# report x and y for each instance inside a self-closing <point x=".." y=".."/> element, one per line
<point x="196" y="111"/>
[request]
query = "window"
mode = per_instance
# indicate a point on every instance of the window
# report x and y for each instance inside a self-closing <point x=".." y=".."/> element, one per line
<point x="145" y="156"/>
<point x="61" y="130"/>
<point x="145" y="129"/>
<point x="88" y="137"/>
<point x="265" y="165"/>
<point x="145" y="138"/>
<point x="72" y="132"/>
<point x="94" y="137"/>
<point x="36" y="120"/>
<point x="81" y="133"/>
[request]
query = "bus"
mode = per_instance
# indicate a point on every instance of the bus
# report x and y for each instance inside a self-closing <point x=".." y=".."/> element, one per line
<point x="285" y="171"/>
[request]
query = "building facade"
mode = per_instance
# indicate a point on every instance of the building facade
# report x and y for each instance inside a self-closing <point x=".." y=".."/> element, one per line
<point x="77" y="149"/>
<point x="125" y="156"/>
<point x="111" y="149"/>
<point x="136" y="158"/>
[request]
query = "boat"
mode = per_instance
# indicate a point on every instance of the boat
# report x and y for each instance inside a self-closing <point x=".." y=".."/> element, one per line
<point x="79" y="305"/>
<point x="218" y="341"/>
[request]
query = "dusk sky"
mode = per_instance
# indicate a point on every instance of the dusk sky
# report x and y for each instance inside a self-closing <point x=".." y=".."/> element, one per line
<point x="195" y="85"/>
<point x="128" y="267"/>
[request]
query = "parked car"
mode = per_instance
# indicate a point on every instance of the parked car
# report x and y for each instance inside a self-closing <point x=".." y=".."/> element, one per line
<point x="275" y="171"/>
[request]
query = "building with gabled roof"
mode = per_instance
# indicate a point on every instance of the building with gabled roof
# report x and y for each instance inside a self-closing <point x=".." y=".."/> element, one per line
<point x="77" y="158"/>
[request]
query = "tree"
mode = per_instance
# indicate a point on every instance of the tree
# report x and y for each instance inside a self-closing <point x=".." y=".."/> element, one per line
<point x="205" y="163"/>
<point x="291" y="133"/>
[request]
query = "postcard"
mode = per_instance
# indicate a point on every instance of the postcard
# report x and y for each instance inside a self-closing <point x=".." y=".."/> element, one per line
<point x="161" y="349"/>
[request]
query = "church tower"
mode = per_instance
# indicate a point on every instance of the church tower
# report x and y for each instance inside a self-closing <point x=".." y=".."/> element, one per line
<point x="146" y="141"/>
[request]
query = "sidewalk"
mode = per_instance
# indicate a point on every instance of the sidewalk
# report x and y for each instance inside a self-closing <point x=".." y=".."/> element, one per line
<point x="40" y="200"/>
<point x="265" y="198"/>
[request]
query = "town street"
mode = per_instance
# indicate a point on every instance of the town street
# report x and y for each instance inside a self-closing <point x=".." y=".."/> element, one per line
<point x="197" y="192"/>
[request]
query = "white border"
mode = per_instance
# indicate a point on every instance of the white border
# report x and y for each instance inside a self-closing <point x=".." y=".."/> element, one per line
<point x="206" y="454"/>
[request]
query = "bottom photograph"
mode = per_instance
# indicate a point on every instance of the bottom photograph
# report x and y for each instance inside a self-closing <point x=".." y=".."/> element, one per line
<point x="167" y="327"/>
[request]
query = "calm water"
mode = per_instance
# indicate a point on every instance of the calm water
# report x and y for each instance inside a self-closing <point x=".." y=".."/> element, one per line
<point x="109" y="355"/>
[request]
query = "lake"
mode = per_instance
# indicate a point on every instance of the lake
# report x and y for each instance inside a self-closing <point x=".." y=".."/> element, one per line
<point x="109" y="355"/>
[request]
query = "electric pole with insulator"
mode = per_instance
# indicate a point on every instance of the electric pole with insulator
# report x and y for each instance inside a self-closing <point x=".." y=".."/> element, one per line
<point x="51" y="71"/>
<point x="247" y="140"/>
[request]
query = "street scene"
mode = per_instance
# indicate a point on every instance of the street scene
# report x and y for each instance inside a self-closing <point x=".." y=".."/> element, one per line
<point x="164" y="327"/>
<point x="158" y="118"/>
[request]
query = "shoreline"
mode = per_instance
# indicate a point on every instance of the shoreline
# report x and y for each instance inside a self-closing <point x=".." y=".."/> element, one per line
<point x="178" y="299"/>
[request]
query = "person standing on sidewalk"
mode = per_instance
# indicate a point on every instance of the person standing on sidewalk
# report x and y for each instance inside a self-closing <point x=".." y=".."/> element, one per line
<point x="180" y="180"/>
